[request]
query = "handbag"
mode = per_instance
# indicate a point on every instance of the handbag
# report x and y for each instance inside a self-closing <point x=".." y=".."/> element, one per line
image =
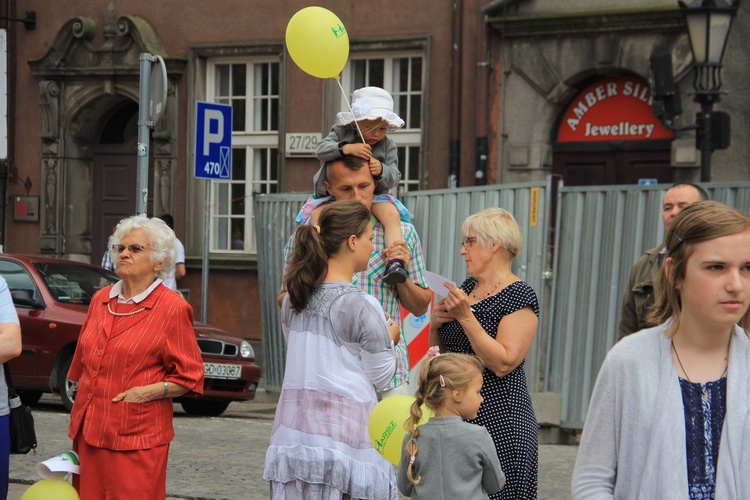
<point x="22" y="434"/>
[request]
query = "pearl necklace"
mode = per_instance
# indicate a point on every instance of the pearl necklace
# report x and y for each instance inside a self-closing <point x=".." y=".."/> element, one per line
<point x="109" y="308"/>
<point x="475" y="295"/>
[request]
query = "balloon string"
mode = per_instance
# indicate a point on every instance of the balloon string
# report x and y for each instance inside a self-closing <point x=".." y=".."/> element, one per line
<point x="361" y="135"/>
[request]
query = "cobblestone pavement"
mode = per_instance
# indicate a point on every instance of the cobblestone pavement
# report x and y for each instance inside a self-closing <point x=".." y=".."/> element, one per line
<point x="222" y="457"/>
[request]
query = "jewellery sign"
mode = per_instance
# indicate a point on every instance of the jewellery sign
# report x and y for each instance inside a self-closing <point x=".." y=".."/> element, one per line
<point x="613" y="109"/>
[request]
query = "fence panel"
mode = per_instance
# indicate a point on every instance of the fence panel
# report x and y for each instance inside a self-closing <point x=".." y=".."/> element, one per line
<point x="437" y="215"/>
<point x="274" y="223"/>
<point x="601" y="232"/>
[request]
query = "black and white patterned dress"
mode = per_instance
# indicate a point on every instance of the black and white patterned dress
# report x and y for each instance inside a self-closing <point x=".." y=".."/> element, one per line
<point x="506" y="411"/>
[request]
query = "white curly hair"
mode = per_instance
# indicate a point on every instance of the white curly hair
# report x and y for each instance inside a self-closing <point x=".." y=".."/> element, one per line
<point x="161" y="240"/>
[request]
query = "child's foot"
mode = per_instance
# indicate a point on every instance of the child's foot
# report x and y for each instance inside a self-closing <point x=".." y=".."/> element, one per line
<point x="395" y="273"/>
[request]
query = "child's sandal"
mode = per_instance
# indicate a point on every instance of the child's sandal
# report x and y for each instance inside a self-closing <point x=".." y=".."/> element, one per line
<point x="395" y="273"/>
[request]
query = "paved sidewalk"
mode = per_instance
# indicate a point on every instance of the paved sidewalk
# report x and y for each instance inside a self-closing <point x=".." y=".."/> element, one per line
<point x="222" y="458"/>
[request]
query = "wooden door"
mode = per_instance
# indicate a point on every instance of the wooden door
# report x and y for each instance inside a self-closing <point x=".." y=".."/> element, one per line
<point x="115" y="177"/>
<point x="587" y="168"/>
<point x="113" y="198"/>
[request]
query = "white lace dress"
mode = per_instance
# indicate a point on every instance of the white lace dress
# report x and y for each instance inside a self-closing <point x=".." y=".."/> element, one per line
<point x="338" y="353"/>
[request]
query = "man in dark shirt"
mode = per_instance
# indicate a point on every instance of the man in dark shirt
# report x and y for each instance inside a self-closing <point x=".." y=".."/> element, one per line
<point x="640" y="293"/>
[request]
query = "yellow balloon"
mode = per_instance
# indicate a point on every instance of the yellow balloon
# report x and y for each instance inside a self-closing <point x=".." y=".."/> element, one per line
<point x="318" y="42"/>
<point x="386" y="425"/>
<point x="50" y="489"/>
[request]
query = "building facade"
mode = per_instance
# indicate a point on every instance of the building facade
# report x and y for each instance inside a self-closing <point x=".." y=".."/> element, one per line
<point x="491" y="92"/>
<point x="73" y="119"/>
<point x="574" y="95"/>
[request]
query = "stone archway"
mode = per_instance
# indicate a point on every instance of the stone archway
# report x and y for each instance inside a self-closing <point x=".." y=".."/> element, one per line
<point x="80" y="84"/>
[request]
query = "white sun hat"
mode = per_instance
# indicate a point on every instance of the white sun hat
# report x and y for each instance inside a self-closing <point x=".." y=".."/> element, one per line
<point x="371" y="103"/>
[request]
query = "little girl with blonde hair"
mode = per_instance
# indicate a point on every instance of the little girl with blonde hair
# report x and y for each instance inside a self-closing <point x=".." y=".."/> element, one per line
<point x="447" y="458"/>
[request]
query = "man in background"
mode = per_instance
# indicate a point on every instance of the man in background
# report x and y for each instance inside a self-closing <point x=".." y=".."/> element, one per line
<point x="640" y="293"/>
<point x="107" y="257"/>
<point x="178" y="271"/>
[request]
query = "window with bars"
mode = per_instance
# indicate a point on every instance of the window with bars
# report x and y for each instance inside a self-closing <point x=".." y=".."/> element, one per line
<point x="251" y="87"/>
<point x="402" y="75"/>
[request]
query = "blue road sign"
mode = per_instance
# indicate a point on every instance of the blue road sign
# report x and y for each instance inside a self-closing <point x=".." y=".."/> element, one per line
<point x="647" y="182"/>
<point x="213" y="141"/>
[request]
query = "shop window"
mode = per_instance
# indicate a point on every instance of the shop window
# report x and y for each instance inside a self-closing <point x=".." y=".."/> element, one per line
<point x="251" y="87"/>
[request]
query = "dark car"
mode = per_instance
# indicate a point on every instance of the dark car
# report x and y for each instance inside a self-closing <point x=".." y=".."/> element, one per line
<point x="52" y="296"/>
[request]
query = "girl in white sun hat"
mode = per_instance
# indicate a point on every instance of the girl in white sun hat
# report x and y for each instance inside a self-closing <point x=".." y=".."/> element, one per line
<point x="371" y="119"/>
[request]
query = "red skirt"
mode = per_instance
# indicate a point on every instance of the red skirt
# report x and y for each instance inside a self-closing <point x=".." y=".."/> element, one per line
<point x="120" y="475"/>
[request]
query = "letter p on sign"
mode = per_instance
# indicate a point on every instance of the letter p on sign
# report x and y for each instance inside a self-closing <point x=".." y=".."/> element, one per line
<point x="213" y="119"/>
<point x="213" y="141"/>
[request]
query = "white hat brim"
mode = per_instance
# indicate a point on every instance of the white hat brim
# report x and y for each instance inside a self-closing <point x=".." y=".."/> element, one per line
<point x="394" y="121"/>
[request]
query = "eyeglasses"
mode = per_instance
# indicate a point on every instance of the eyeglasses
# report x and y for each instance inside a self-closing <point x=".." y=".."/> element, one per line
<point x="132" y="248"/>
<point x="468" y="241"/>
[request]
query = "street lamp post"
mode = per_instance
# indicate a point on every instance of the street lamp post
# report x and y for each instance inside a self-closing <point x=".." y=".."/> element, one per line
<point x="708" y="24"/>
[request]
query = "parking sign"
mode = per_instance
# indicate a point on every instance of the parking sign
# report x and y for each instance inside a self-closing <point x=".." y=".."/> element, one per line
<point x="213" y="141"/>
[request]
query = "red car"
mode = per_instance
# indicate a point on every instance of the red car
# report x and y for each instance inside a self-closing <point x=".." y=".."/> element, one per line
<point x="52" y="296"/>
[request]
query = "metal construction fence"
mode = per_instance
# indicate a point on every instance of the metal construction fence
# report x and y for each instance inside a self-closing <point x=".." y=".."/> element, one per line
<point x="601" y="232"/>
<point x="437" y="216"/>
<point x="274" y="223"/>
<point x="579" y="274"/>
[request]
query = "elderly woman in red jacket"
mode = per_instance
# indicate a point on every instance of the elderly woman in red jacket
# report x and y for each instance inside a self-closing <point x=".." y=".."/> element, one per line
<point x="137" y="350"/>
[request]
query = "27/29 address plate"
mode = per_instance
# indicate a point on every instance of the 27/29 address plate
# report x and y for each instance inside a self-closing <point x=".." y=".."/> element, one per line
<point x="301" y="144"/>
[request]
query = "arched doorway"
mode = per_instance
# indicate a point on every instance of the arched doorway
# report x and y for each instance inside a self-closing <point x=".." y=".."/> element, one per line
<point x="114" y="181"/>
<point x="609" y="135"/>
<point x="85" y="89"/>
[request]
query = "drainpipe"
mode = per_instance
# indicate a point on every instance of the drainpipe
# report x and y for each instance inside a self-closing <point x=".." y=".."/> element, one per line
<point x="482" y="109"/>
<point x="455" y="114"/>
<point x="483" y="82"/>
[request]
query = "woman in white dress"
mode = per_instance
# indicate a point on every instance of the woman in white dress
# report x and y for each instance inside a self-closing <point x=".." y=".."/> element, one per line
<point x="339" y="351"/>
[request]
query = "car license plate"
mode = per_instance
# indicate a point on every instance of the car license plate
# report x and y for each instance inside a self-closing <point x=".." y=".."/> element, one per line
<point x="220" y="370"/>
